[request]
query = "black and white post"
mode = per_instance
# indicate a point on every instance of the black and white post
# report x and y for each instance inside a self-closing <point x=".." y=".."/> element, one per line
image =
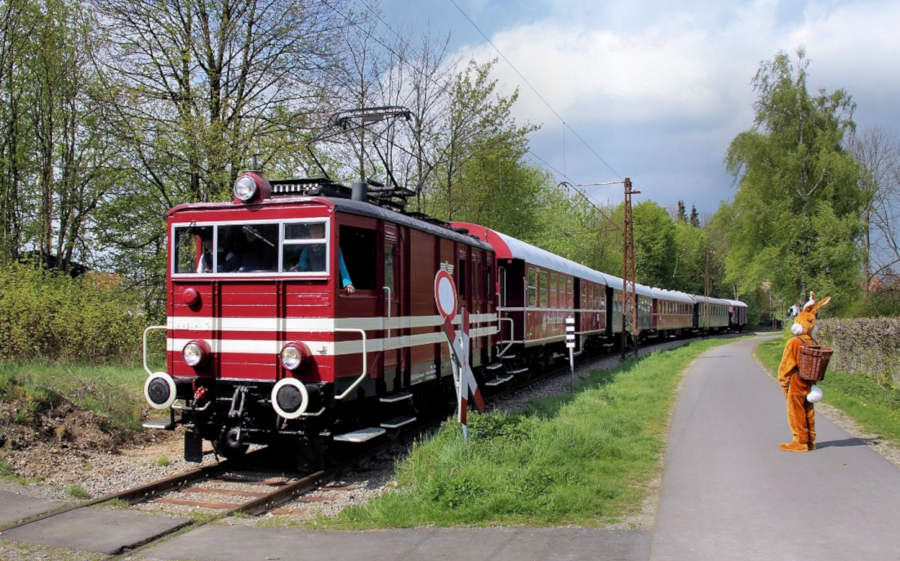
<point x="570" y="343"/>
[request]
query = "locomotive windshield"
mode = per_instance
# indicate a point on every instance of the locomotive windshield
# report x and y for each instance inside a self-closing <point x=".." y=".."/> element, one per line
<point x="259" y="247"/>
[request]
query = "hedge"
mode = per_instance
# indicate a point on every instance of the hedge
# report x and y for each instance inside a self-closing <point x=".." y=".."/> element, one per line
<point x="870" y="346"/>
<point x="51" y="316"/>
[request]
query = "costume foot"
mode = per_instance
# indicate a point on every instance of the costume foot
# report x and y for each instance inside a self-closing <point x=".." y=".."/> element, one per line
<point x="794" y="447"/>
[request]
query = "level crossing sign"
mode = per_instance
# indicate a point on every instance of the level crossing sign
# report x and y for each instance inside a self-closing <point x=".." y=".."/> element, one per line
<point x="459" y="342"/>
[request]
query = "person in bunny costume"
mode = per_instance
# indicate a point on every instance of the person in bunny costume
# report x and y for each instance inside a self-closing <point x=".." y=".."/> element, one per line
<point x="801" y="413"/>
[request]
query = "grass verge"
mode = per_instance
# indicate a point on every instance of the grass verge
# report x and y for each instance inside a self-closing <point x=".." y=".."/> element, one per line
<point x="585" y="458"/>
<point x="112" y="391"/>
<point x="874" y="407"/>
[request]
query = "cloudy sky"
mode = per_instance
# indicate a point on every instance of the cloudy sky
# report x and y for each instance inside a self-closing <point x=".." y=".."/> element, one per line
<point x="658" y="89"/>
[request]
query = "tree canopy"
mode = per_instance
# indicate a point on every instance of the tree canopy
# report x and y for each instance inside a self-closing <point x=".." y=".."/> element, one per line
<point x="795" y="219"/>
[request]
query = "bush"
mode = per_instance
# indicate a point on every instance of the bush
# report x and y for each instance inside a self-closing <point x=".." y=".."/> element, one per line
<point x="49" y="315"/>
<point x="870" y="346"/>
<point x="885" y="303"/>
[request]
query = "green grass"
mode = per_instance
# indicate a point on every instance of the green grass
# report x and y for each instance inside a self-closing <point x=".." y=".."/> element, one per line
<point x="76" y="491"/>
<point x="163" y="461"/>
<point x="875" y="407"/>
<point x="581" y="459"/>
<point x="112" y="391"/>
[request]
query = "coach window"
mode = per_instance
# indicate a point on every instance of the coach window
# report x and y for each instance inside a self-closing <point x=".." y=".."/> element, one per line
<point x="193" y="249"/>
<point x="358" y="247"/>
<point x="305" y="247"/>
<point x="461" y="277"/>
<point x="247" y="248"/>
<point x="551" y="299"/>
<point x="532" y="286"/>
<point x="545" y="289"/>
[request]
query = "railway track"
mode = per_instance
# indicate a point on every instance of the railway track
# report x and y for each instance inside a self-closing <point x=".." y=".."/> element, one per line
<point x="217" y="491"/>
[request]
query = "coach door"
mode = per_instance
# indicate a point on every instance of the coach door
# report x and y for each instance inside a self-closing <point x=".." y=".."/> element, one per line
<point x="393" y="293"/>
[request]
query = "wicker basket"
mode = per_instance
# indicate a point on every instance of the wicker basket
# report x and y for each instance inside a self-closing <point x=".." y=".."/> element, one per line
<point x="813" y="361"/>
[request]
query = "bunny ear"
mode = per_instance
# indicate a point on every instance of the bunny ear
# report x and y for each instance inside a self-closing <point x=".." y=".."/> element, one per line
<point x="824" y="301"/>
<point x="808" y="307"/>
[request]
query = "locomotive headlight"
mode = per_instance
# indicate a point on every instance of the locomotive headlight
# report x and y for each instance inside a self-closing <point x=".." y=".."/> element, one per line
<point x="245" y="188"/>
<point x="251" y="187"/>
<point x="291" y="357"/>
<point x="290" y="398"/>
<point x="195" y="352"/>
<point x="293" y="354"/>
<point x="159" y="390"/>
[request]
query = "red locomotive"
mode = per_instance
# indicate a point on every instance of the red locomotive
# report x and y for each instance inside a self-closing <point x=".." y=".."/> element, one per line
<point x="302" y="312"/>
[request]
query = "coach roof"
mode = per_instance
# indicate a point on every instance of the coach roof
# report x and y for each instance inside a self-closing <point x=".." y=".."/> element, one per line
<point x="508" y="247"/>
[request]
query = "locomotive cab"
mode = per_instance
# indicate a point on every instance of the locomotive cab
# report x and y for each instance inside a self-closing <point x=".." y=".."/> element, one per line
<point x="300" y="318"/>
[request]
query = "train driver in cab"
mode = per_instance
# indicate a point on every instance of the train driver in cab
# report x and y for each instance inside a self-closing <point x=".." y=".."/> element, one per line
<point x="313" y="257"/>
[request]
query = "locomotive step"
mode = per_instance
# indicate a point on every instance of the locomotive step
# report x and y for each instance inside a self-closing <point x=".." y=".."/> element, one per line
<point x="494" y="366"/>
<point x="499" y="380"/>
<point x="161" y="424"/>
<point x="507" y="357"/>
<point x="518" y="371"/>
<point x="397" y="422"/>
<point x="397" y="397"/>
<point x="361" y="435"/>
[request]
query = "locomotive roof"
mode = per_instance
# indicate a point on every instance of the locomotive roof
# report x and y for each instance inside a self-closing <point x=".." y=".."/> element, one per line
<point x="348" y="206"/>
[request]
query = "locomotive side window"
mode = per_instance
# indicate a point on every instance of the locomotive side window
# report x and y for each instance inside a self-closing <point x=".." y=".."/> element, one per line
<point x="359" y="249"/>
<point x="305" y="247"/>
<point x="461" y="277"/>
<point x="389" y="267"/>
<point x="193" y="249"/>
<point x="247" y="248"/>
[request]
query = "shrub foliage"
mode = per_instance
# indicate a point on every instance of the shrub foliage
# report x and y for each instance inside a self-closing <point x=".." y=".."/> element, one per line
<point x="51" y="316"/>
<point x="868" y="346"/>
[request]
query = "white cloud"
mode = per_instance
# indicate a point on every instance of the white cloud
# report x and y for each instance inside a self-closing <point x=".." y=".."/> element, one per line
<point x="660" y="92"/>
<point x="689" y="66"/>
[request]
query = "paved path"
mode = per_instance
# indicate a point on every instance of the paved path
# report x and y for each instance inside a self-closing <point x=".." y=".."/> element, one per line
<point x="729" y="493"/>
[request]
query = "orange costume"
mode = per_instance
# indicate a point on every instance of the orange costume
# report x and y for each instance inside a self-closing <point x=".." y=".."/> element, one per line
<point x="801" y="413"/>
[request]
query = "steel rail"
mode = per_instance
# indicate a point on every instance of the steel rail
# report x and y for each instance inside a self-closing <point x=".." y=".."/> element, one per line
<point x="133" y="495"/>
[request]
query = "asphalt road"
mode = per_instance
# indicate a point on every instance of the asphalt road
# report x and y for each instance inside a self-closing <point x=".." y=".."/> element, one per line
<point x="729" y="493"/>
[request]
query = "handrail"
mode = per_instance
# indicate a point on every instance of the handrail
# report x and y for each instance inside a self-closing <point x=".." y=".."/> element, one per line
<point x="144" y="338"/>
<point x="512" y="335"/>
<point x="388" y="309"/>
<point x="365" y="361"/>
